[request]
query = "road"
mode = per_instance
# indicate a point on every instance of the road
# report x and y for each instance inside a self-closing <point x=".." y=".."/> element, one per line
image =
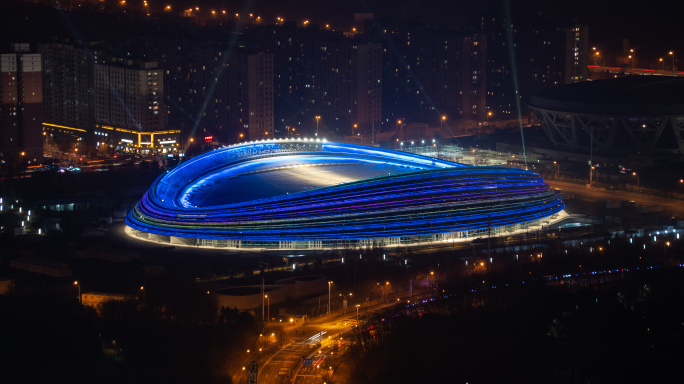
<point x="318" y="338"/>
<point x="676" y="206"/>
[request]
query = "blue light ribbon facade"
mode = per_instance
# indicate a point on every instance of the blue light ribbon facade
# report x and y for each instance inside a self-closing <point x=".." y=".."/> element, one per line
<point x="432" y="197"/>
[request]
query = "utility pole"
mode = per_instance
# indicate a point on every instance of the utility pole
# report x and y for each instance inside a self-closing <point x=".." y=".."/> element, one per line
<point x="329" y="284"/>
<point x="263" y="298"/>
<point x="591" y="157"/>
<point x="489" y="240"/>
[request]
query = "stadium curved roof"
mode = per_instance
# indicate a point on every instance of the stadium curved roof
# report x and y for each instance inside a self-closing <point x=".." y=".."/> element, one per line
<point x="311" y="190"/>
<point x="629" y="95"/>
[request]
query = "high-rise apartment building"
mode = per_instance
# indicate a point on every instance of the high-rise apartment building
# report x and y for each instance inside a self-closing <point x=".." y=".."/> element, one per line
<point x="472" y="87"/>
<point x="322" y="80"/>
<point x="129" y="95"/>
<point x="546" y="54"/>
<point x="216" y="89"/>
<point x="368" y="103"/>
<point x="129" y="107"/>
<point x="431" y="74"/>
<point x="576" y="53"/>
<point x="67" y="84"/>
<point x="260" y="95"/>
<point x="21" y="106"/>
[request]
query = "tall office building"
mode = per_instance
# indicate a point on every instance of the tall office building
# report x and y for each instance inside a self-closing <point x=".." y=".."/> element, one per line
<point x="21" y="107"/>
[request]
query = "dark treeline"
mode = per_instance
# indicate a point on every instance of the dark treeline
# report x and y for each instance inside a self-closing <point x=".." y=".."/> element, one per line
<point x="511" y="320"/>
<point x="628" y="331"/>
<point x="174" y="336"/>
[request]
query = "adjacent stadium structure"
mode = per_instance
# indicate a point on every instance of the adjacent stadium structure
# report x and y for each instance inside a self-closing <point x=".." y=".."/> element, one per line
<point x="623" y="115"/>
<point x="313" y="194"/>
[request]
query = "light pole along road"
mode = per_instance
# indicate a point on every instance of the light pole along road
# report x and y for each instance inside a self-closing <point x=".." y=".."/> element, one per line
<point x="284" y="366"/>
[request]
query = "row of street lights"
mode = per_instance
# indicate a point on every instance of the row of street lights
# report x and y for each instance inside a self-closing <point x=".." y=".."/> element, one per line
<point x="632" y="57"/>
<point x="268" y="305"/>
<point x="80" y="301"/>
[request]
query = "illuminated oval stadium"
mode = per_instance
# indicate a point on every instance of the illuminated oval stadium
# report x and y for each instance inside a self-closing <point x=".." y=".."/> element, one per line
<point x="290" y="194"/>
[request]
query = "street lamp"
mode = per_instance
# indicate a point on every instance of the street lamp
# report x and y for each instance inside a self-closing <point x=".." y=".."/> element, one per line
<point x="79" y="292"/>
<point x="557" y="170"/>
<point x="329" y="284"/>
<point x="673" y="67"/>
<point x="637" y="176"/>
<point x="142" y="289"/>
<point x="662" y="62"/>
<point x="268" y="307"/>
<point x="317" y="118"/>
<point x="357" y="311"/>
<point x="443" y="119"/>
<point x="383" y="291"/>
